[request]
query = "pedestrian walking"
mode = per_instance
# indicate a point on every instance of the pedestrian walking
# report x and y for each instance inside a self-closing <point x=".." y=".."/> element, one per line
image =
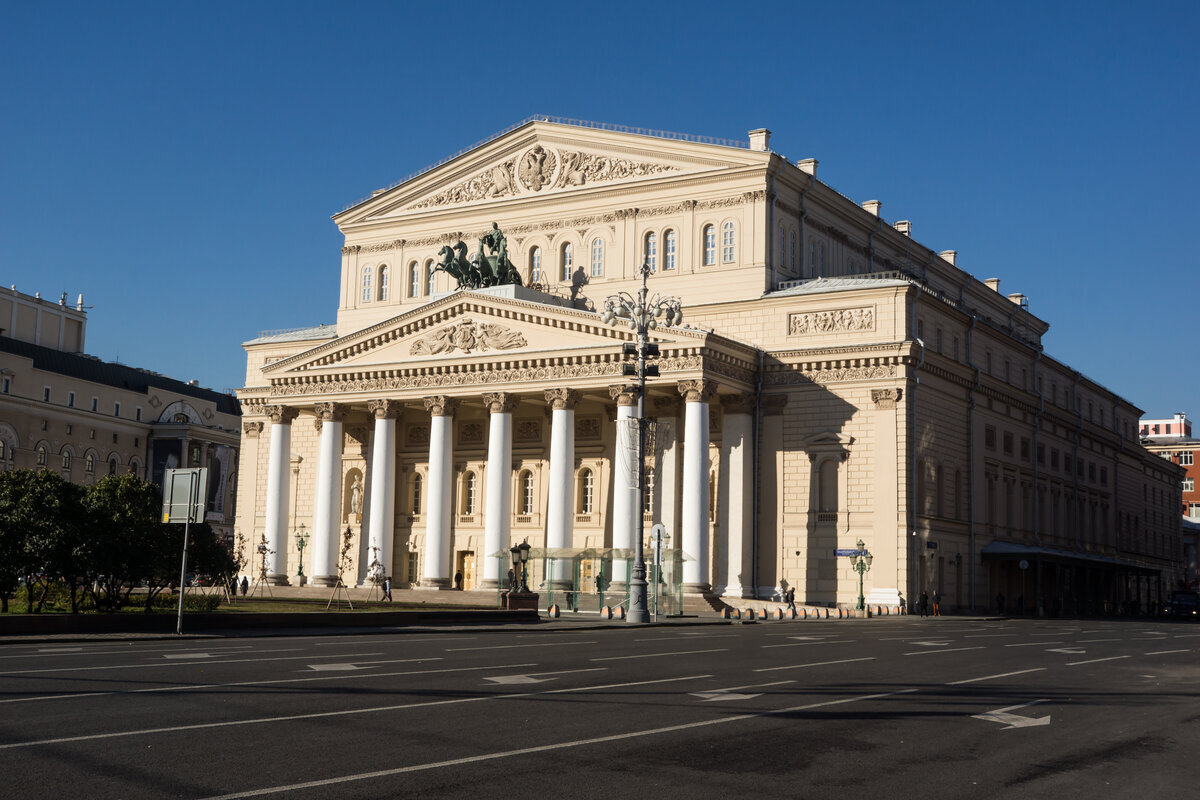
<point x="790" y="596"/>
<point x="245" y="585"/>
<point x="387" y="588"/>
<point x="923" y="604"/>
<point x="937" y="604"/>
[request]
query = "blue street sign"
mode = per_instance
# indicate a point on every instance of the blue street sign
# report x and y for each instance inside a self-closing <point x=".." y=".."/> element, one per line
<point x="842" y="551"/>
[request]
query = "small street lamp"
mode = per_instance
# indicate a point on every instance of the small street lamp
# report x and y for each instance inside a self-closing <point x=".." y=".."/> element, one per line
<point x="642" y="314"/>
<point x="301" y="541"/>
<point x="520" y="560"/>
<point x="860" y="562"/>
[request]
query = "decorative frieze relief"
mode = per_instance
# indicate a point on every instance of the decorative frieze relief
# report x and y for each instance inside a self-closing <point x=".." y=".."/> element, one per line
<point x="528" y="431"/>
<point x="470" y="433"/>
<point x="795" y="377"/>
<point x="832" y="321"/>
<point x="587" y="428"/>
<point x="448" y="380"/>
<point x="418" y="435"/>
<point x="467" y="335"/>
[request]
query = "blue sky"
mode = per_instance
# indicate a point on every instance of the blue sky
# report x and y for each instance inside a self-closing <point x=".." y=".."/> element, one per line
<point x="178" y="162"/>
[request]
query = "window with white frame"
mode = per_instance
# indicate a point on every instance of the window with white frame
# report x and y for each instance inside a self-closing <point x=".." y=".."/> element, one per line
<point x="414" y="279"/>
<point x="383" y="283"/>
<point x="710" y="245"/>
<point x="587" y="491"/>
<point x="41" y="455"/>
<point x="89" y="463"/>
<point x="1194" y="510"/>
<point x="1189" y="484"/>
<point x="66" y="459"/>
<point x="535" y="265"/>
<point x="1185" y="458"/>
<point x="648" y="495"/>
<point x="526" y="486"/>
<point x="112" y="466"/>
<point x="70" y="399"/>
<point x="650" y="251"/>
<point x="416" y="494"/>
<point x="429" y="277"/>
<point x="116" y="409"/>
<point x="597" y="257"/>
<point x="470" y="493"/>
<point x="728" y="243"/>
<point x="366" y="285"/>
<point x="566" y="261"/>
<point x="670" y="247"/>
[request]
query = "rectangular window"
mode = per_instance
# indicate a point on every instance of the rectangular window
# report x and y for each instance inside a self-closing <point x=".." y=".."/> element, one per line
<point x="45" y="394"/>
<point x="1053" y="458"/>
<point x="989" y="437"/>
<point x="1066" y="462"/>
<point x="1194" y="510"/>
<point x="956" y="348"/>
<point x="95" y="404"/>
<point x="116" y="409"/>
<point x="137" y="413"/>
<point x="114" y="438"/>
<point x="921" y="329"/>
<point x="1104" y="476"/>
<point x="70" y="399"/>
<point x="937" y="340"/>
<point x="1189" y="484"/>
<point x="1008" y="444"/>
<point x="6" y="385"/>
<point x="1041" y="458"/>
<point x="1024" y="449"/>
<point x="1185" y="458"/>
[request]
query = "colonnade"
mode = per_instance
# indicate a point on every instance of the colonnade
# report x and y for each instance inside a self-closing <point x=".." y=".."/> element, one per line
<point x="693" y="525"/>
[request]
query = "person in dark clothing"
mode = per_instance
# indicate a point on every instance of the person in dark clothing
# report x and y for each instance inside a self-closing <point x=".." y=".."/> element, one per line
<point x="790" y="597"/>
<point x="923" y="604"/>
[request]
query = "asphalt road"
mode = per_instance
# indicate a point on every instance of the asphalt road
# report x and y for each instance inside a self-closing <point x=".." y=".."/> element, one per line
<point x="891" y="708"/>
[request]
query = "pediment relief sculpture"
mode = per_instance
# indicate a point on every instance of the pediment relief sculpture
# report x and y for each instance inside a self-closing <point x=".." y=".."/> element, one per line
<point x="541" y="168"/>
<point x="467" y="336"/>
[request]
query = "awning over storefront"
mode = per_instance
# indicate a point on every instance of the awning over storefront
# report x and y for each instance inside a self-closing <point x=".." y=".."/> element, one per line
<point x="1011" y="551"/>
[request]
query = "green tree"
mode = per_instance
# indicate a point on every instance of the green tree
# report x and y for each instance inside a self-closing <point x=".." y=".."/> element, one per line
<point x="41" y="533"/>
<point x="123" y="511"/>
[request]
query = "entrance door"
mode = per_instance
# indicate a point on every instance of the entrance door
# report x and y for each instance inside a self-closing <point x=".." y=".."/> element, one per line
<point x="468" y="570"/>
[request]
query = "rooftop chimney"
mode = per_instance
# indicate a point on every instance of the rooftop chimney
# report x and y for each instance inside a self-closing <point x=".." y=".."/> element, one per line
<point x="808" y="165"/>
<point x="760" y="140"/>
<point x="950" y="255"/>
<point x="993" y="284"/>
<point x="904" y="226"/>
<point x="1019" y="299"/>
<point x="872" y="207"/>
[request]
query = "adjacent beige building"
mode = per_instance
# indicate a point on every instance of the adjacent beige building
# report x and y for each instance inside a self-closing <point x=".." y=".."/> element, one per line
<point x="64" y="410"/>
<point x="832" y="380"/>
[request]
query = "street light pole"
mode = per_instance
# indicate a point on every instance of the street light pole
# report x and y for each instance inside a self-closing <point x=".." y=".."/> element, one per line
<point x="642" y="315"/>
<point x="860" y="562"/>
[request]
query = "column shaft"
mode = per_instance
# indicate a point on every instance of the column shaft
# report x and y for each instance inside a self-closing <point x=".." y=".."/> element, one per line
<point x="280" y="455"/>
<point x="625" y="497"/>
<point x="436" y="574"/>
<point x="695" y="527"/>
<point x="498" y="515"/>
<point x="382" y="517"/>
<point x="560" y="510"/>
<point x="736" y="505"/>
<point x="326" y="520"/>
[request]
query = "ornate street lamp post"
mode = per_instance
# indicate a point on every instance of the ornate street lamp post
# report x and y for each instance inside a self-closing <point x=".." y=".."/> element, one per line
<point x="642" y="314"/>
<point x="520" y="560"/>
<point x="301" y="541"/>
<point x="860" y="562"/>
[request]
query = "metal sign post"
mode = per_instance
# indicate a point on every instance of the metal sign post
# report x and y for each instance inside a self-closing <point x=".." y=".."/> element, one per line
<point x="184" y="491"/>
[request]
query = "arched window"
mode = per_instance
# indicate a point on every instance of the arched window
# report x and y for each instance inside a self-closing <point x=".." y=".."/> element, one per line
<point x="416" y="494"/>
<point x="535" y="265"/>
<point x="366" y="285"/>
<point x="728" y="243"/>
<point x="66" y="459"/>
<point x="587" y="491"/>
<point x="597" y="257"/>
<point x="429" y="277"/>
<point x="710" y="245"/>
<point x="383" y="283"/>
<point x="650" y="251"/>
<point x="526" y="486"/>
<point x="41" y="455"/>
<point x="112" y="466"/>
<point x="670" y="246"/>
<point x="566" y="261"/>
<point x="470" y="493"/>
<point x="89" y="463"/>
<point x="414" y="279"/>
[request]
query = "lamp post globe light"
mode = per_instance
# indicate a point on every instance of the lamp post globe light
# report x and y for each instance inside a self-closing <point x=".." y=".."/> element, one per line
<point x="641" y="314"/>
<point x="301" y="542"/>
<point x="520" y="561"/>
<point x="860" y="562"/>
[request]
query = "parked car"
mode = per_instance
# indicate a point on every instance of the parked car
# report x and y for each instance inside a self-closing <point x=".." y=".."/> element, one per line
<point x="1183" y="604"/>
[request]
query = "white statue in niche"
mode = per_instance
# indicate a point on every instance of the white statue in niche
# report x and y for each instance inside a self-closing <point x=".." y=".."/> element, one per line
<point x="356" y="496"/>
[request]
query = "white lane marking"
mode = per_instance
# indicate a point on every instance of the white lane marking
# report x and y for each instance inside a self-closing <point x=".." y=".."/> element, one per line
<point x="402" y="639"/>
<point x="528" y="677"/>
<point x="798" y="644"/>
<point x="83" y="651"/>
<point x="660" y="655"/>
<point x="187" y="655"/>
<point x="950" y="650"/>
<point x="1089" y="641"/>
<point x="986" y="635"/>
<point x="733" y="692"/>
<point x="513" y="646"/>
<point x="341" y="713"/>
<point x="931" y="644"/>
<point x="334" y="667"/>
<point x="1031" y="644"/>
<point x="186" y="687"/>
<point x="1056" y="633"/>
<point x="56" y="650"/>
<point x="676" y="638"/>
<point x="175" y="664"/>
<point x="1011" y="721"/>
<point x="1095" y="660"/>
<point x="547" y="747"/>
<point x="1073" y="651"/>
<point x="1158" y="638"/>
<point x="1185" y="635"/>
<point x="1167" y="652"/>
<point x="993" y="677"/>
<point x="815" y="664"/>
<point x="1098" y="630"/>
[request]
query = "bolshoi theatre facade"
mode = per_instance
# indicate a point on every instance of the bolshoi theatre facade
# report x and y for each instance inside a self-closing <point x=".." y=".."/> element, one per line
<point x="832" y="380"/>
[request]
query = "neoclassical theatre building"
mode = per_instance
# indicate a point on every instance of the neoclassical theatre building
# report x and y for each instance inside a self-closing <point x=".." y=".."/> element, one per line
<point x="832" y="381"/>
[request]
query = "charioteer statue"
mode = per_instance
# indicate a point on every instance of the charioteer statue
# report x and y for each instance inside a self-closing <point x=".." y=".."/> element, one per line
<point x="489" y="267"/>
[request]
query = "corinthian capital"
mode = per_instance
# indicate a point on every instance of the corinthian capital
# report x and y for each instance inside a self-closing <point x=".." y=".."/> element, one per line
<point x="280" y="414"/>
<point x="252" y="429"/>
<point x="624" y="395"/>
<point x="697" y="391"/>
<point x="441" y="405"/>
<point x="500" y="402"/>
<point x="330" y="412"/>
<point x="384" y="409"/>
<point x="562" y="398"/>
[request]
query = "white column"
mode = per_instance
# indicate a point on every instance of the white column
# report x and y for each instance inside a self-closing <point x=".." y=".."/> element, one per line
<point x="737" y="503"/>
<point x="436" y="573"/>
<point x="625" y="498"/>
<point x="326" y="505"/>
<point x="280" y="456"/>
<point x="498" y="514"/>
<point x="560" y="510"/>
<point x="695" y="484"/>
<point x="666" y="478"/>
<point x="381" y="519"/>
<point x="888" y="569"/>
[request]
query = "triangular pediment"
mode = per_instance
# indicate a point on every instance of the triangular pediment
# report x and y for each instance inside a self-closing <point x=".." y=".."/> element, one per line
<point x="468" y="327"/>
<point x="544" y="158"/>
